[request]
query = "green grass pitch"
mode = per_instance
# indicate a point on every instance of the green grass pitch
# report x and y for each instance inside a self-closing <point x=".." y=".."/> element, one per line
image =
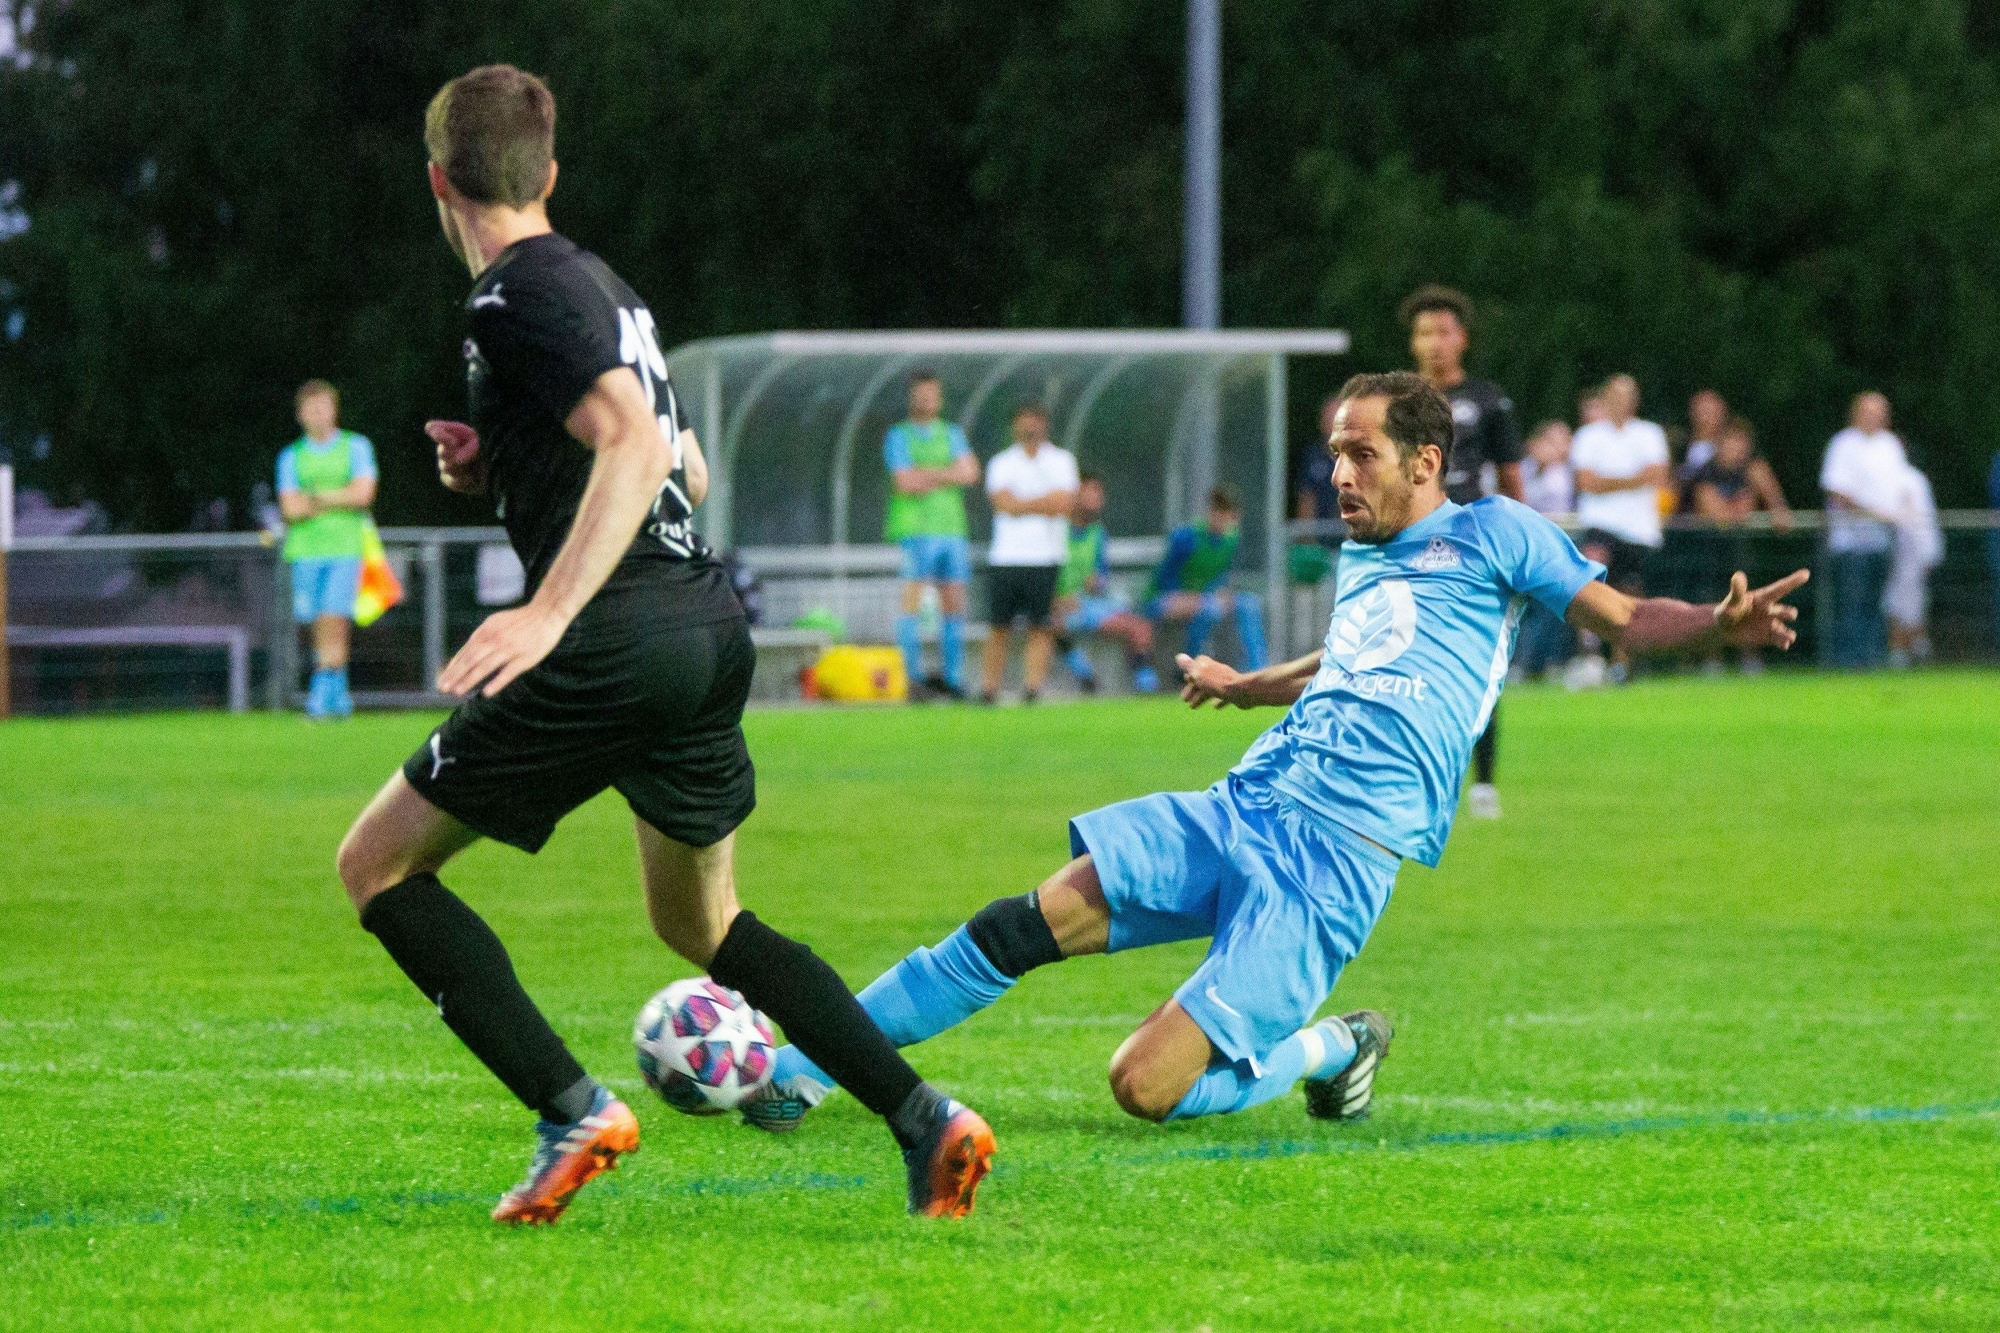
<point x="1702" y="1034"/>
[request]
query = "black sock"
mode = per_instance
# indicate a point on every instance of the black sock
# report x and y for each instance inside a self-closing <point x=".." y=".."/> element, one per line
<point x="819" y="1014"/>
<point x="461" y="967"/>
<point x="1486" y="750"/>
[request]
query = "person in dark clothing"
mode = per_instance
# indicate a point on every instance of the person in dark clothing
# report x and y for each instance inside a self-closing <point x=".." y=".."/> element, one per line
<point x="627" y="667"/>
<point x="1485" y="456"/>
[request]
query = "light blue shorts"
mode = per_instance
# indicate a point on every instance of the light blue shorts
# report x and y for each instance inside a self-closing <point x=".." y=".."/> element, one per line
<point x="1287" y="902"/>
<point x="937" y="559"/>
<point x="325" y="586"/>
<point x="1092" y="612"/>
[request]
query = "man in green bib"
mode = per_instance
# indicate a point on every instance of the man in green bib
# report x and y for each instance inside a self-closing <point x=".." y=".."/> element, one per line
<point x="1086" y="602"/>
<point x="1192" y="581"/>
<point x="930" y="465"/>
<point x="326" y="481"/>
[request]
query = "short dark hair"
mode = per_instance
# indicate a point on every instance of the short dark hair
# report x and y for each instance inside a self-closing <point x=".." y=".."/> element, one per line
<point x="925" y="376"/>
<point x="1087" y="477"/>
<point x="493" y="131"/>
<point x="1031" y="408"/>
<point x="1418" y="414"/>
<point x="1433" y="297"/>
<point x="1224" y="500"/>
<point x="317" y="389"/>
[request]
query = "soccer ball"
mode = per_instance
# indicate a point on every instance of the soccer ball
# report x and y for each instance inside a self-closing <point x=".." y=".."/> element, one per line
<point x="703" y="1048"/>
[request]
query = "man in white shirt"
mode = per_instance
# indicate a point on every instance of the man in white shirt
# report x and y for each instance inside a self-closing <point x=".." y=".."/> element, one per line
<point x="1861" y="476"/>
<point x="1032" y="486"/>
<point x="1620" y="464"/>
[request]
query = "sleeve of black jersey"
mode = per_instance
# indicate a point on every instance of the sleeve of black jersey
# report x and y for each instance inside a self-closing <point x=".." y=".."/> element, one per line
<point x="554" y="339"/>
<point x="1503" y="432"/>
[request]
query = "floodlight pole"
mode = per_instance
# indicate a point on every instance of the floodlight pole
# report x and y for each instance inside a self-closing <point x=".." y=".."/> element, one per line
<point x="1201" y="265"/>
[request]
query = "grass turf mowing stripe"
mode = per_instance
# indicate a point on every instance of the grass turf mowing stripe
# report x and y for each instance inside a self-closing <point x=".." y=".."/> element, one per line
<point x="1268" y="1150"/>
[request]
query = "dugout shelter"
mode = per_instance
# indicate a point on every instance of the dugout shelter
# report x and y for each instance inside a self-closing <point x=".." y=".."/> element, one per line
<point x="793" y="424"/>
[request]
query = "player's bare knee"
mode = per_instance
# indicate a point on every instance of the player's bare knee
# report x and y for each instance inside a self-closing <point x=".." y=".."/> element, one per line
<point x="360" y="868"/>
<point x="1137" y="1087"/>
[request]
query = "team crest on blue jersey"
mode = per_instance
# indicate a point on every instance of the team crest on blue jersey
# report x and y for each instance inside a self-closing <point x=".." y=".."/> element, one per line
<point x="1377" y="628"/>
<point x="1440" y="554"/>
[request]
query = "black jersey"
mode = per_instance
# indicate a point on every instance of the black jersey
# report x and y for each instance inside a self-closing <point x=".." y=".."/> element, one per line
<point x="1483" y="431"/>
<point x="548" y="318"/>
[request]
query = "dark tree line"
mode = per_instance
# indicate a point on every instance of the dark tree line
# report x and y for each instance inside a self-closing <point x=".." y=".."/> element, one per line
<point x="1789" y="200"/>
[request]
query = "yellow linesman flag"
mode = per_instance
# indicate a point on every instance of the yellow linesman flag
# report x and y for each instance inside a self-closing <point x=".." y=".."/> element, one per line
<point x="380" y="588"/>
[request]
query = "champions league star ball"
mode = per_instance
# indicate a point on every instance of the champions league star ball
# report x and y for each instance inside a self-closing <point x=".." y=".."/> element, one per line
<point x="703" y="1048"/>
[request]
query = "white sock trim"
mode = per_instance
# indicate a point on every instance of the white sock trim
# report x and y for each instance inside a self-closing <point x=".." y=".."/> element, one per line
<point x="1315" y="1048"/>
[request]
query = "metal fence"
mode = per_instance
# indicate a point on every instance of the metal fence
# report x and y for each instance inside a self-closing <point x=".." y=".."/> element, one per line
<point x="204" y="621"/>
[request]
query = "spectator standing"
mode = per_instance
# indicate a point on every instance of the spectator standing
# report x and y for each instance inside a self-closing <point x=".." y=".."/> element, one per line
<point x="1549" y="486"/>
<point x="1032" y="485"/>
<point x="1485" y="457"/>
<point x="1621" y="466"/>
<point x="1086" y="601"/>
<point x="1736" y="482"/>
<point x="1863" y="469"/>
<point x="930" y="465"/>
<point x="1316" y="498"/>
<point x="1916" y="548"/>
<point x="1708" y="413"/>
<point x="1191" y="583"/>
<point x="1733" y="484"/>
<point x="326" y="482"/>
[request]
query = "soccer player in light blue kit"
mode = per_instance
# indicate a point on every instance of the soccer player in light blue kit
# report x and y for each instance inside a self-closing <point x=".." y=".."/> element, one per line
<point x="1288" y="861"/>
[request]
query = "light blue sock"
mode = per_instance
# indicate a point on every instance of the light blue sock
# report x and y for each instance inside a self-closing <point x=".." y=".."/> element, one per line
<point x="1322" y="1050"/>
<point x="1078" y="662"/>
<point x="1201" y="627"/>
<point x="953" y="648"/>
<point x="926" y="993"/>
<point x="912" y="646"/>
<point x="342" y="701"/>
<point x="1250" y="629"/>
<point x="319" y="698"/>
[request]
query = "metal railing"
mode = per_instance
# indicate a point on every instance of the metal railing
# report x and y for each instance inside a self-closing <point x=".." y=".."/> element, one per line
<point x="204" y="620"/>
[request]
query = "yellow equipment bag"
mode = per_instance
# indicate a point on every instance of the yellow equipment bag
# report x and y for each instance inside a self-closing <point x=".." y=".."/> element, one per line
<point x="380" y="589"/>
<point x="851" y="673"/>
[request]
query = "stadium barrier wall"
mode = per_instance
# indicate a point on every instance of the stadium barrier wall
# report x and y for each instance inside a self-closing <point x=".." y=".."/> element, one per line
<point x="203" y="620"/>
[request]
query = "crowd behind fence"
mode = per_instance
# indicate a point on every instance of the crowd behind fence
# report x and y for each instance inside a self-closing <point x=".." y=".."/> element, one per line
<point x="203" y="620"/>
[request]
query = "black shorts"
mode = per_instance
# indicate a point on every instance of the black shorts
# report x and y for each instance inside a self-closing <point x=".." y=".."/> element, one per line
<point x="1020" y="592"/>
<point x="1625" y="570"/>
<point x="654" y="711"/>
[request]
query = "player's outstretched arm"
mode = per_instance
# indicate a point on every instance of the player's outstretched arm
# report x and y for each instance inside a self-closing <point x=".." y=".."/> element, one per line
<point x="1206" y="680"/>
<point x="1744" y="619"/>
<point x="630" y="465"/>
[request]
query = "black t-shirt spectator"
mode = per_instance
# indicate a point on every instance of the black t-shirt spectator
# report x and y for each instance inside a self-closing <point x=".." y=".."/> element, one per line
<point x="1483" y="431"/>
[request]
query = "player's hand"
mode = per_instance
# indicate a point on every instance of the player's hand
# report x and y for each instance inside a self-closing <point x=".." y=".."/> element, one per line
<point x="506" y="644"/>
<point x="460" y="467"/>
<point x="1204" y="680"/>
<point x="1759" y="619"/>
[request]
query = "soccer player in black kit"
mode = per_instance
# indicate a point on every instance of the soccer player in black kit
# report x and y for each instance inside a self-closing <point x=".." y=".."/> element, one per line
<point x="627" y="667"/>
<point x="1483" y="432"/>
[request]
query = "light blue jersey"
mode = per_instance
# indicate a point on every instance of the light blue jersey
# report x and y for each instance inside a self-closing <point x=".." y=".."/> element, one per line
<point x="1273" y="864"/>
<point x="1423" y="629"/>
